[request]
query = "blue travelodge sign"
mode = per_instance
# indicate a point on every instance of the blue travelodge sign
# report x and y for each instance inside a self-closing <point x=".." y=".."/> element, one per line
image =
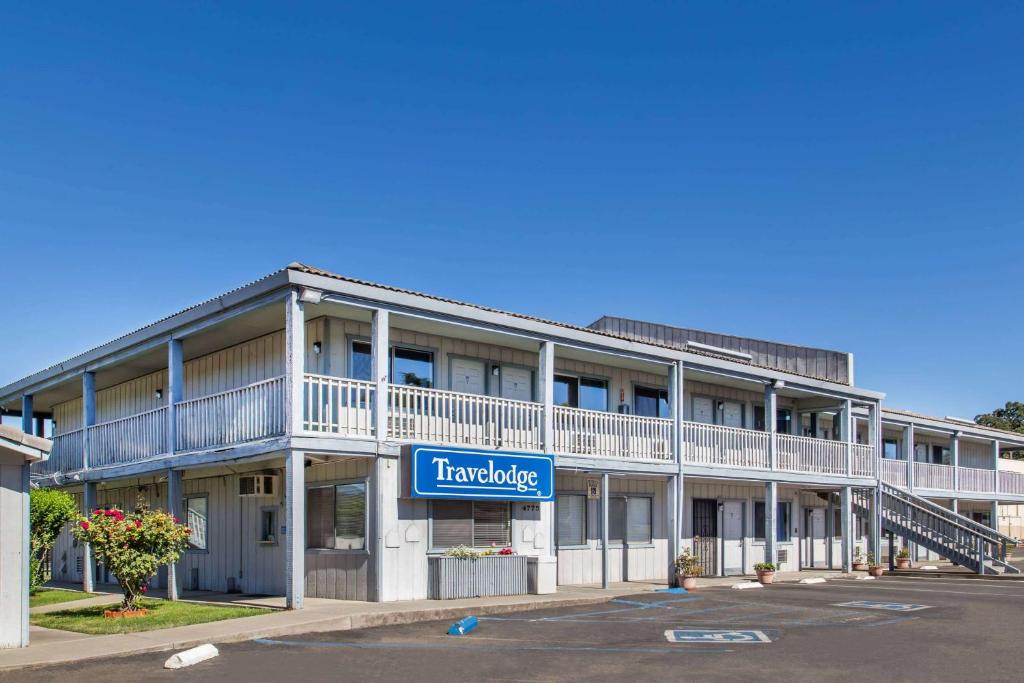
<point x="443" y="472"/>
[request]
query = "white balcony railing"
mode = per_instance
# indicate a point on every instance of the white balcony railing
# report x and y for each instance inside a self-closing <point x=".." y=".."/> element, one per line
<point x="863" y="464"/>
<point x="65" y="455"/>
<point x="977" y="480"/>
<point x="894" y="472"/>
<point x="730" y="446"/>
<point x="806" y="454"/>
<point x="419" y="414"/>
<point x="247" y="413"/>
<point x="931" y="476"/>
<point x="128" y="439"/>
<point x="1012" y="483"/>
<point x="611" y="435"/>
<point x="338" y="406"/>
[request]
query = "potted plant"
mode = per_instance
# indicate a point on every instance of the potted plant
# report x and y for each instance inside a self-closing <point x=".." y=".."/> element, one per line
<point x="903" y="558"/>
<point x="765" y="572"/>
<point x="688" y="569"/>
<point x="858" y="560"/>
<point x="874" y="569"/>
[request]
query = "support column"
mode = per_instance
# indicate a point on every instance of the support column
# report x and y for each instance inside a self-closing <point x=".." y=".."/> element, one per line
<point x="546" y="393"/>
<point x="26" y="413"/>
<point x="876" y="524"/>
<point x="770" y="423"/>
<point x="377" y="498"/>
<point x="846" y="434"/>
<point x="295" y="529"/>
<point x="175" y="496"/>
<point x="995" y="466"/>
<point x="88" y="505"/>
<point x="677" y="403"/>
<point x="41" y="426"/>
<point x="771" y="506"/>
<point x="846" y="515"/>
<point x="604" y="530"/>
<point x="295" y="362"/>
<point x="88" y="415"/>
<point x="954" y="451"/>
<point x="830" y="526"/>
<point x="380" y="350"/>
<point x="993" y="516"/>
<point x="175" y="388"/>
<point x="670" y="525"/>
<point x="954" y="505"/>
<point x="908" y="449"/>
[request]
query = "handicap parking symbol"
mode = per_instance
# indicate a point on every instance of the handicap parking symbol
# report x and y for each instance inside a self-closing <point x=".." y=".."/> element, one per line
<point x="879" y="604"/>
<point x="715" y="636"/>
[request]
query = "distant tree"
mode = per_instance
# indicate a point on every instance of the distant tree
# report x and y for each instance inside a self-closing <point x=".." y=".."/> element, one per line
<point x="1009" y="418"/>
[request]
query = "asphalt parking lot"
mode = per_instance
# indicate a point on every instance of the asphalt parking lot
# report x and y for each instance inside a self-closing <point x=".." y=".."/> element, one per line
<point x="926" y="628"/>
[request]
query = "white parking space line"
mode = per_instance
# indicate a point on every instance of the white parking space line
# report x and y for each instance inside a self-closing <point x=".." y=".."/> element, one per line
<point x="926" y="590"/>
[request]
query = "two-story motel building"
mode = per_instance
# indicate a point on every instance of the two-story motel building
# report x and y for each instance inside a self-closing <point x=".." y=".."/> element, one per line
<point x="326" y="437"/>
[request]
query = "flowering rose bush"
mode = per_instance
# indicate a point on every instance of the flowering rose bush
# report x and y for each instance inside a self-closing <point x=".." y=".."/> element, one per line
<point x="133" y="546"/>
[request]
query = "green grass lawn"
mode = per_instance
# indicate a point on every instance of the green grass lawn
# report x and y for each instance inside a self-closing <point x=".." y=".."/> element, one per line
<point x="51" y="596"/>
<point x="162" y="614"/>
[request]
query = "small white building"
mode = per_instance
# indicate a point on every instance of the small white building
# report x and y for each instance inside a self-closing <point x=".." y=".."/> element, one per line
<point x="18" y="451"/>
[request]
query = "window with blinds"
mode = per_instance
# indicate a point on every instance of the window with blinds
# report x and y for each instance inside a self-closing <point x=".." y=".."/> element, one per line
<point x="629" y="519"/>
<point x="616" y="520"/>
<point x="572" y="519"/>
<point x="472" y="523"/>
<point x="336" y="516"/>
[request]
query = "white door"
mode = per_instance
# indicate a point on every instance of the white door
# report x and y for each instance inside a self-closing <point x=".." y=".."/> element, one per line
<point x="516" y="383"/>
<point x="816" y="541"/>
<point x="732" y="537"/>
<point x="732" y="414"/>
<point x="468" y="376"/>
<point x="703" y="410"/>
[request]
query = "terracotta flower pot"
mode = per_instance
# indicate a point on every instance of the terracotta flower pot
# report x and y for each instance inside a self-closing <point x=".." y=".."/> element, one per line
<point x="765" y="577"/>
<point x="859" y="566"/>
<point x="902" y="563"/>
<point x="687" y="582"/>
<point x="876" y="571"/>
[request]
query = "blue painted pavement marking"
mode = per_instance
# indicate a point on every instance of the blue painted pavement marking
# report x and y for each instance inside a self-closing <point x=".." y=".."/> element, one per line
<point x="715" y="636"/>
<point x="878" y="604"/>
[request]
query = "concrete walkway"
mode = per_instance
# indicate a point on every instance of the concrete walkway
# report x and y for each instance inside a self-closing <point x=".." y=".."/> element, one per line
<point x="55" y="647"/>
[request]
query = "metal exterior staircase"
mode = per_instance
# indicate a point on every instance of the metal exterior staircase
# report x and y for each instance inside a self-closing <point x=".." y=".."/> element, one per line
<point x="953" y="536"/>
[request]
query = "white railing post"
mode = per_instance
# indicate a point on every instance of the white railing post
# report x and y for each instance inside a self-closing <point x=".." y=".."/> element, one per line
<point x="380" y="345"/>
<point x="770" y="426"/>
<point x="954" y="451"/>
<point x="546" y="394"/>
<point x="175" y="384"/>
<point x="295" y="365"/>
<point x="908" y="449"/>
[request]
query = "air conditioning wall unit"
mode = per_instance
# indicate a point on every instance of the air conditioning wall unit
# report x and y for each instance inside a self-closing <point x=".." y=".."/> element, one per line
<point x="257" y="485"/>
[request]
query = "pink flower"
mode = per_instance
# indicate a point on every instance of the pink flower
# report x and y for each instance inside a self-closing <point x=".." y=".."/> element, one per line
<point x="138" y="524"/>
<point x="144" y="588"/>
<point x="85" y="525"/>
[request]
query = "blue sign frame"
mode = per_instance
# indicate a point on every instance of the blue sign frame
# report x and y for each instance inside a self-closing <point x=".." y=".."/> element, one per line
<point x="465" y="473"/>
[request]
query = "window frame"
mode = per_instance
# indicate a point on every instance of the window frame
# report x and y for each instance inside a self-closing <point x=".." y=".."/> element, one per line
<point x="625" y="544"/>
<point x="586" y="521"/>
<point x="418" y="349"/>
<point x="896" y="449"/>
<point x="365" y="550"/>
<point x="659" y="390"/>
<point x="438" y="550"/>
<point x="184" y="506"/>
<point x="274" y="527"/>
<point x="755" y="540"/>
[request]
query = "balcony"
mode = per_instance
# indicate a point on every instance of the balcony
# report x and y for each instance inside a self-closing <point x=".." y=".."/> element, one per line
<point x="944" y="478"/>
<point x="345" y="407"/>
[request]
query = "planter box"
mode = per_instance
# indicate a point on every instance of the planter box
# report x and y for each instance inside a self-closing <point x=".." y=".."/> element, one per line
<point x="455" y="577"/>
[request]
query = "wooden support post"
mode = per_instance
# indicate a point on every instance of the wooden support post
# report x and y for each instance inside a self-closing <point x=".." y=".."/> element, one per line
<point x="26" y="413"/>
<point x="771" y="505"/>
<point x="770" y="424"/>
<point x="846" y="433"/>
<point x="377" y="501"/>
<point x="908" y="449"/>
<point x="995" y="466"/>
<point x="671" y="510"/>
<point x="175" y="389"/>
<point x="678" y="398"/>
<point x="954" y="452"/>
<point x="88" y="505"/>
<point x="175" y="497"/>
<point x="846" y="516"/>
<point x="295" y="529"/>
<point x="88" y="415"/>
<point x="380" y="355"/>
<point x="604" y="530"/>
<point x="546" y="393"/>
<point x="295" y="362"/>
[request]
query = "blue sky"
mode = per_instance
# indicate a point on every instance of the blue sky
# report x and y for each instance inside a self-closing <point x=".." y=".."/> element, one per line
<point x="848" y="177"/>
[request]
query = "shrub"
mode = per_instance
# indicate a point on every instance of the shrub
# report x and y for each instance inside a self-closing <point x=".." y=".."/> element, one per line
<point x="49" y="511"/>
<point x="688" y="563"/>
<point x="765" y="567"/>
<point x="133" y="546"/>
<point x="903" y="554"/>
<point x="462" y="552"/>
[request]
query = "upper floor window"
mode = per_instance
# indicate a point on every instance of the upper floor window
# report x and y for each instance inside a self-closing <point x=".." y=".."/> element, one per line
<point x="890" y="450"/>
<point x="649" y="402"/>
<point x="412" y="367"/>
<point x="361" y="361"/>
<point x="581" y="392"/>
<point x="567" y="391"/>
<point x="940" y="455"/>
